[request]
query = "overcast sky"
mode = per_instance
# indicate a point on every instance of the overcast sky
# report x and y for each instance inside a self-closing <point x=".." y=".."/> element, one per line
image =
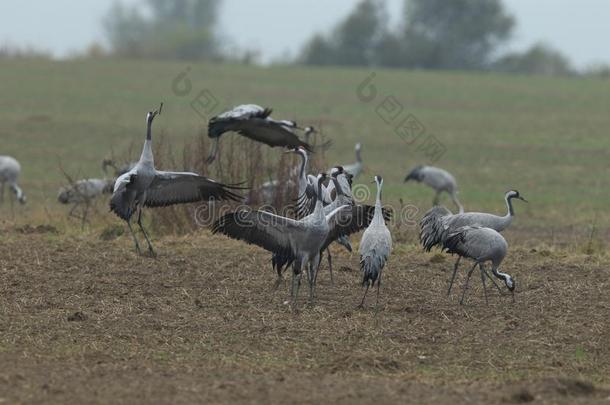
<point x="580" y="29"/>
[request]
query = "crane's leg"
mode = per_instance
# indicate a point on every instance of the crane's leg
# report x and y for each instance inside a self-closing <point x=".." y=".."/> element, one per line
<point x="330" y="267"/>
<point x="437" y="198"/>
<point x="297" y="267"/>
<point x="466" y="284"/>
<point x="455" y="267"/>
<point x="483" y="280"/>
<point x="71" y="212"/>
<point x="150" y="248"/>
<point x="135" y="240"/>
<point x="493" y="281"/>
<point x="314" y="265"/>
<point x="84" y="219"/>
<point x="378" y="287"/>
<point x="2" y="193"/>
<point x="364" y="296"/>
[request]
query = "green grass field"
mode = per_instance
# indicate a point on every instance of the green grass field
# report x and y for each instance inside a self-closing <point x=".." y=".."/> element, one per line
<point x="546" y="137"/>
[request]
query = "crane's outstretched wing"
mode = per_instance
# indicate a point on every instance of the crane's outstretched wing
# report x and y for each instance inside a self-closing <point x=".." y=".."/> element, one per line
<point x="122" y="202"/>
<point x="168" y="188"/>
<point x="232" y="120"/>
<point x="349" y="221"/>
<point x="260" y="228"/>
<point x="272" y="133"/>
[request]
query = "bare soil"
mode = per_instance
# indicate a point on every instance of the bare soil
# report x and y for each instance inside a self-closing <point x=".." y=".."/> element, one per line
<point x="85" y="320"/>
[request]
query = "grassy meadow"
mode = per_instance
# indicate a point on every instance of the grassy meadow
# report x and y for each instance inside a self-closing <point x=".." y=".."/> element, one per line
<point x="546" y="137"/>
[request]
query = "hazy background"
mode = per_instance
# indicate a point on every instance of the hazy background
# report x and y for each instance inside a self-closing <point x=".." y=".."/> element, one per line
<point x="276" y="28"/>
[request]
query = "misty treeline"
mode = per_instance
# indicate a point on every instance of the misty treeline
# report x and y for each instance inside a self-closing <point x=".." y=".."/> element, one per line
<point x="431" y="34"/>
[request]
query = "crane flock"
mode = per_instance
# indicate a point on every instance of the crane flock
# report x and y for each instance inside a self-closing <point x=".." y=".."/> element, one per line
<point x="326" y="211"/>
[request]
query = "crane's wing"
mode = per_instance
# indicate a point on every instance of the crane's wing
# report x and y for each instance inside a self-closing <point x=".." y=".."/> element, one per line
<point x="234" y="119"/>
<point x="169" y="188"/>
<point x="260" y="228"/>
<point x="272" y="133"/>
<point x="349" y="221"/>
<point x="123" y="196"/>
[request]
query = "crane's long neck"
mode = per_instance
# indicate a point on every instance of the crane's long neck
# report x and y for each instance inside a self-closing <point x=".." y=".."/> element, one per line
<point x="147" y="154"/>
<point x="304" y="162"/>
<point x="509" y="206"/>
<point x="358" y="157"/>
<point x="319" y="208"/>
<point x="378" y="217"/>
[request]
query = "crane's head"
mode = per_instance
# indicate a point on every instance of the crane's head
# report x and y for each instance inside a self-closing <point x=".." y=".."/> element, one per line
<point x="378" y="180"/>
<point x="514" y="194"/>
<point x="358" y="147"/>
<point x="336" y="171"/>
<point x="150" y="116"/>
<point x="310" y="130"/>
<point x="510" y="282"/>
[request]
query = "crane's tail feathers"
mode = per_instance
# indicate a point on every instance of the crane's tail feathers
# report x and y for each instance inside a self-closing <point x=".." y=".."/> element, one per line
<point x="432" y="230"/>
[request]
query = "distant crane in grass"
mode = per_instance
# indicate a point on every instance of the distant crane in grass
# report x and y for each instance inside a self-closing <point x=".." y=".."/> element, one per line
<point x="10" y="169"/>
<point x="438" y="179"/>
<point x="83" y="193"/>
<point x="481" y="245"/>
<point x="355" y="169"/>
<point x="254" y="122"/>
<point x="144" y="186"/>
<point x="438" y="223"/>
<point x="375" y="247"/>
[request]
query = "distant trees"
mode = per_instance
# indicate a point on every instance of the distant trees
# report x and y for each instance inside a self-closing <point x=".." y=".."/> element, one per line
<point x="435" y="34"/>
<point x="355" y="40"/>
<point x="539" y="59"/>
<point x="170" y="29"/>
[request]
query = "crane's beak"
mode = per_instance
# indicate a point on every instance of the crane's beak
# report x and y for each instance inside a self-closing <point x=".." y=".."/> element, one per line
<point x="523" y="199"/>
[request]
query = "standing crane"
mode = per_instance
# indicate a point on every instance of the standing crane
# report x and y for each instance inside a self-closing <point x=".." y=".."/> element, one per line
<point x="481" y="245"/>
<point x="438" y="223"/>
<point x="438" y="179"/>
<point x="9" y="173"/>
<point x="300" y="239"/>
<point x="144" y="186"/>
<point x="355" y="169"/>
<point x="375" y="247"/>
<point x="254" y="122"/>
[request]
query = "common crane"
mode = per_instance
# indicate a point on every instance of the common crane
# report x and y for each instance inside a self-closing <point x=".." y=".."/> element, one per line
<point x="481" y="245"/>
<point x="438" y="179"/>
<point x="9" y="173"/>
<point x="83" y="192"/>
<point x="254" y="122"/>
<point x="375" y="247"/>
<point x="301" y="239"/>
<point x="439" y="222"/>
<point x="144" y="186"/>
<point x="362" y="218"/>
<point x="355" y="169"/>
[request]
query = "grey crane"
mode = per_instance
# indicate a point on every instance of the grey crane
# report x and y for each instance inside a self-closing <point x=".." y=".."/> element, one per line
<point x="254" y="122"/>
<point x="439" y="222"/>
<point x="356" y="168"/>
<point x="375" y="247"/>
<point x="364" y="214"/>
<point x="83" y="193"/>
<point x="481" y="245"/>
<point x="144" y="186"/>
<point x="9" y="173"/>
<point x="438" y="179"/>
<point x="301" y="239"/>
